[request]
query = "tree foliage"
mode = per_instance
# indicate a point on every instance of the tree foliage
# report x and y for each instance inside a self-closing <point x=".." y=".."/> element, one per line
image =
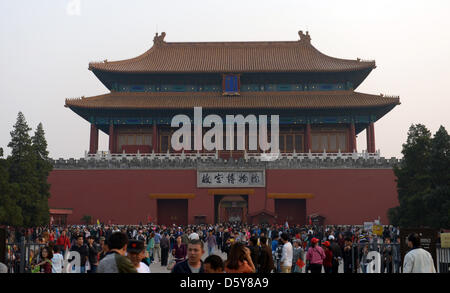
<point x="423" y="180"/>
<point x="23" y="182"/>
<point x="10" y="212"/>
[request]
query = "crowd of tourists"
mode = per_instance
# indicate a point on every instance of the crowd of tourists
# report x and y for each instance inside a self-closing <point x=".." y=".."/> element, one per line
<point x="248" y="248"/>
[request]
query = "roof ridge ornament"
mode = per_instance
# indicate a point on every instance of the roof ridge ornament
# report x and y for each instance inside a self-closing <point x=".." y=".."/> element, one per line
<point x="159" y="39"/>
<point x="304" y="38"/>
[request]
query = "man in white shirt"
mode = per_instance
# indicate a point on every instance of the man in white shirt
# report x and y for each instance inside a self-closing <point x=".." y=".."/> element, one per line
<point x="194" y="235"/>
<point x="417" y="260"/>
<point x="286" y="254"/>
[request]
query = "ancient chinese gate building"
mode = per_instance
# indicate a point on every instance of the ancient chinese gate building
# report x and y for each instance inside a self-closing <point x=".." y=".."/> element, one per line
<point x="319" y="171"/>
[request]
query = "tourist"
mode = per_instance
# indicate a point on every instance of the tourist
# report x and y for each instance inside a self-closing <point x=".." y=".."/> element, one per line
<point x="297" y="257"/>
<point x="57" y="260"/>
<point x="228" y="243"/>
<point x="350" y="262"/>
<point x="45" y="265"/>
<point x="286" y="254"/>
<point x="157" y="247"/>
<point x="387" y="255"/>
<point x="172" y="239"/>
<point x="140" y="236"/>
<point x="239" y="260"/>
<point x="83" y="250"/>
<point x="136" y="253"/>
<point x="261" y="235"/>
<point x="274" y="246"/>
<point x="364" y="260"/>
<point x="194" y="235"/>
<point x="151" y="246"/>
<point x="115" y="261"/>
<point x="165" y="244"/>
<point x="219" y="238"/>
<point x="185" y="237"/>
<point x="179" y="251"/>
<point x="63" y="241"/>
<point x="92" y="255"/>
<point x="328" y="261"/>
<point x="104" y="248"/>
<point x="315" y="256"/>
<point x="211" y="240"/>
<point x="193" y="263"/>
<point x="255" y="251"/>
<point x="417" y="260"/>
<point x="337" y="254"/>
<point x="214" y="264"/>
<point x="265" y="264"/>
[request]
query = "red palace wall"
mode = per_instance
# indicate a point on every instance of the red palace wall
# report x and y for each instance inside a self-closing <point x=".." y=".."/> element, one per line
<point x="342" y="196"/>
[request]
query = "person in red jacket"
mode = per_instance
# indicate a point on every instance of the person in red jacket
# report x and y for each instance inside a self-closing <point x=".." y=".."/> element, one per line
<point x="328" y="261"/>
<point x="51" y="237"/>
<point x="64" y="242"/>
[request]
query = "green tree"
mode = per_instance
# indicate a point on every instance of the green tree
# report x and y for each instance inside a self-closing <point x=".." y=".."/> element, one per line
<point x="412" y="178"/>
<point x="23" y="173"/>
<point x="10" y="212"/>
<point x="43" y="168"/>
<point x="423" y="180"/>
<point x="438" y="200"/>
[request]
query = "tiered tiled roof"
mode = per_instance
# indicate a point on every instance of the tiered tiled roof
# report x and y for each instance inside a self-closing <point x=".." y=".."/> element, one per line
<point x="238" y="57"/>
<point x="215" y="100"/>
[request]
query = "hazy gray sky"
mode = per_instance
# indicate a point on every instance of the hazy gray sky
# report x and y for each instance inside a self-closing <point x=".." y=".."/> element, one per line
<point x="45" y="49"/>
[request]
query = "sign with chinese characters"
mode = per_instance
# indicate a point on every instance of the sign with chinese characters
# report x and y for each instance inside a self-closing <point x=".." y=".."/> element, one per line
<point x="250" y="178"/>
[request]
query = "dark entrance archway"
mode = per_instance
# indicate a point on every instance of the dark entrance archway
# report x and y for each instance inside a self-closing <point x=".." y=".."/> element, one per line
<point x="230" y="208"/>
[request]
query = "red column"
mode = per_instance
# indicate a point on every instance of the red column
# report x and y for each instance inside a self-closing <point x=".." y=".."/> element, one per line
<point x="372" y="137"/>
<point x="112" y="148"/>
<point x="308" y="138"/>
<point x="352" y="137"/>
<point x="93" y="142"/>
<point x="155" y="137"/>
<point x="369" y="139"/>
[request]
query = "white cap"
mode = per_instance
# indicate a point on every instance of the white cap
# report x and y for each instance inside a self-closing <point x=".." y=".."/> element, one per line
<point x="331" y="237"/>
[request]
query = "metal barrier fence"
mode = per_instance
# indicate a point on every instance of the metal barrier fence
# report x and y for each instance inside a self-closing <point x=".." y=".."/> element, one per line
<point x="375" y="257"/>
<point x="21" y="256"/>
<point x="443" y="259"/>
<point x="386" y="258"/>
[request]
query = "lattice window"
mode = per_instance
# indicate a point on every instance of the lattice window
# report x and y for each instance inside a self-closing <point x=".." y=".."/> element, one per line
<point x="331" y="142"/>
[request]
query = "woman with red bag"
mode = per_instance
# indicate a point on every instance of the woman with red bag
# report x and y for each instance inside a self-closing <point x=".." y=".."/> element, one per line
<point x="315" y="256"/>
